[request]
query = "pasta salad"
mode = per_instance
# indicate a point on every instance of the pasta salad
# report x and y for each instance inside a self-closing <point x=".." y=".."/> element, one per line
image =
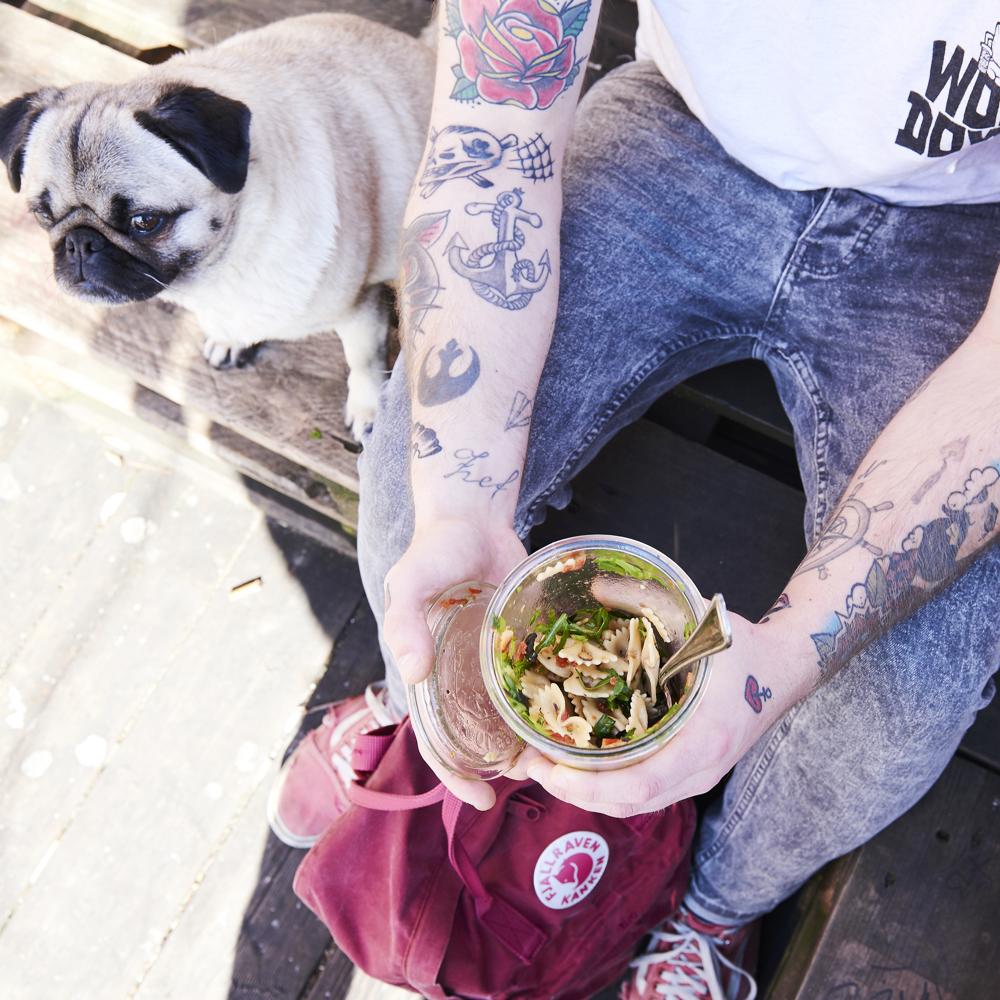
<point x="589" y="678"/>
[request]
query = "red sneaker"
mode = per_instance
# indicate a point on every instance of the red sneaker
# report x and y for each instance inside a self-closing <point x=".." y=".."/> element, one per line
<point x="689" y="959"/>
<point x="309" y="792"/>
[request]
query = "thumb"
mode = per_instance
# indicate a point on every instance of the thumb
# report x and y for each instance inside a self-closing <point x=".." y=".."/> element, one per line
<point x="406" y="632"/>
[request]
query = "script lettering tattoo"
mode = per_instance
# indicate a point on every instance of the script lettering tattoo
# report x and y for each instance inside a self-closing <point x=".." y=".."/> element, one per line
<point x="517" y="52"/>
<point x="467" y="458"/>
<point x="424" y="441"/>
<point x="779" y="605"/>
<point x="844" y="531"/>
<point x="755" y="695"/>
<point x="420" y="284"/>
<point x="954" y="451"/>
<point x="443" y="386"/>
<point x="496" y="271"/>
<point x="520" y="412"/>
<point x="466" y="151"/>
<point x="930" y="556"/>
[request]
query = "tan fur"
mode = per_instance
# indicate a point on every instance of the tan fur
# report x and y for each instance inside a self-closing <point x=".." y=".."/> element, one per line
<point x="339" y="115"/>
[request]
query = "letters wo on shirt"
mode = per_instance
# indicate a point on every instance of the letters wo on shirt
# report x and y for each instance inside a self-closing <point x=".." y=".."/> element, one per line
<point x="960" y="104"/>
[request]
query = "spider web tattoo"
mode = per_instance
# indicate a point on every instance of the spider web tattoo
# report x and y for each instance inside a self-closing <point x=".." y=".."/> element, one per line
<point x="534" y="159"/>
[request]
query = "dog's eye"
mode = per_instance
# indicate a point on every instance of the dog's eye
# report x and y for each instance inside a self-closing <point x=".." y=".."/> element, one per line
<point x="145" y="223"/>
<point x="42" y="215"/>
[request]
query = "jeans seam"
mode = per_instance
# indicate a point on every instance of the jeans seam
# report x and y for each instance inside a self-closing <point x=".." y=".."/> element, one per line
<point x="749" y="791"/>
<point x="799" y="364"/>
<point x="794" y="254"/>
<point x="860" y="244"/>
<point x="624" y="393"/>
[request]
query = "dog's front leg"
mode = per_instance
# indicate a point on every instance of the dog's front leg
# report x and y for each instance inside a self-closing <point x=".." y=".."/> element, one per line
<point x="362" y="331"/>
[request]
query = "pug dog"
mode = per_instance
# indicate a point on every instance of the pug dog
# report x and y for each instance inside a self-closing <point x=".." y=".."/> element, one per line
<point x="260" y="183"/>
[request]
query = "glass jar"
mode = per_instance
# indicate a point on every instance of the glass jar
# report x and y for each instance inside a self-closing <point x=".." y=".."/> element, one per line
<point x="461" y="711"/>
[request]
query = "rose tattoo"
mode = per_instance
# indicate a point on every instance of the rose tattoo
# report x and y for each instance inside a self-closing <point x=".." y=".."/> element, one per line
<point x="520" y="52"/>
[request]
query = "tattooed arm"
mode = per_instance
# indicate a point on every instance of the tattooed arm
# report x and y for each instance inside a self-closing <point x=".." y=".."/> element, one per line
<point x="924" y="503"/>
<point x="478" y="292"/>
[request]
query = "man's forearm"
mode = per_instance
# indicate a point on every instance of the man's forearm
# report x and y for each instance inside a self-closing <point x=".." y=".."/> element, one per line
<point x="922" y="505"/>
<point x="481" y="247"/>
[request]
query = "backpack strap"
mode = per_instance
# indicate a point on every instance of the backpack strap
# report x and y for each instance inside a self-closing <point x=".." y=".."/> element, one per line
<point x="508" y="925"/>
<point x="390" y="801"/>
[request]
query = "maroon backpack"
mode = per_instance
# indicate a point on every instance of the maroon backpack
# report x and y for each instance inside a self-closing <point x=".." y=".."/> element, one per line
<point x="532" y="899"/>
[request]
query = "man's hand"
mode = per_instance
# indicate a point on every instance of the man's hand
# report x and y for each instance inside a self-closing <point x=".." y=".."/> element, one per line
<point x="440" y="555"/>
<point x="722" y="729"/>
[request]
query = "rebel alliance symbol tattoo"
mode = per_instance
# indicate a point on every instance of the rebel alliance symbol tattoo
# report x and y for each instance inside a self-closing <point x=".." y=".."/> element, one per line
<point x="497" y="274"/>
<point x="443" y="386"/>
<point x="425" y="443"/>
<point x="520" y="412"/>
<point x="419" y="273"/>
<point x="465" y="151"/>
<point x="845" y="531"/>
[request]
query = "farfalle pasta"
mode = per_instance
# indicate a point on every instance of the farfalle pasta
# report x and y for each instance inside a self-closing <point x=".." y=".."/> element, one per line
<point x="589" y="679"/>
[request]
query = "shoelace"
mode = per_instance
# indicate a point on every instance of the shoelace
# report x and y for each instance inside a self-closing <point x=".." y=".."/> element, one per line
<point x="377" y="705"/>
<point x="690" y="965"/>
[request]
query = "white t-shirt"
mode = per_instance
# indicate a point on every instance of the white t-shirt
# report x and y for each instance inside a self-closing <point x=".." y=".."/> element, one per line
<point x="897" y="98"/>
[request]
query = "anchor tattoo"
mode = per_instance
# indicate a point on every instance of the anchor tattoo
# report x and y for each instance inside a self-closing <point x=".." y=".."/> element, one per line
<point x="496" y="272"/>
<point x="443" y="386"/>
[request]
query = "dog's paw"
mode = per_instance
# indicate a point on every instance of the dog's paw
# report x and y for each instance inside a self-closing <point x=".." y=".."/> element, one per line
<point x="221" y="355"/>
<point x="362" y="401"/>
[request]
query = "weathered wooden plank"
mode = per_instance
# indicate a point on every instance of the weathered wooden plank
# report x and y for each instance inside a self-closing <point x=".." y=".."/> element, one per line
<point x="33" y="358"/>
<point x="179" y="773"/>
<point x="290" y="402"/>
<point x="744" y="392"/>
<point x="732" y="529"/>
<point x="280" y="942"/>
<point x="912" y="914"/>
<point x="196" y="23"/>
<point x="99" y="630"/>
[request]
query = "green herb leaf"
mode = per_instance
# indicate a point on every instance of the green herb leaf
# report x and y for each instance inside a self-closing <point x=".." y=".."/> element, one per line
<point x="604" y="728"/>
<point x="560" y="625"/>
<point x="315" y="434"/>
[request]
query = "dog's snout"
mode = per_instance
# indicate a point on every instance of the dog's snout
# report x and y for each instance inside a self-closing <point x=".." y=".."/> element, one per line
<point x="83" y="242"/>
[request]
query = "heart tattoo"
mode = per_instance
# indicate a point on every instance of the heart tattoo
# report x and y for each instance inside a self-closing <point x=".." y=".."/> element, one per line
<point x="756" y="695"/>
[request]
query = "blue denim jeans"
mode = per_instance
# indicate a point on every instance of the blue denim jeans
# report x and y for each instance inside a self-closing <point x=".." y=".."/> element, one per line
<point x="675" y="259"/>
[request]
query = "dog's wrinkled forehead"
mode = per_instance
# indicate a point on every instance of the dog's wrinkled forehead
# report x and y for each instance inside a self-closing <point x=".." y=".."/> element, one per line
<point x="89" y="149"/>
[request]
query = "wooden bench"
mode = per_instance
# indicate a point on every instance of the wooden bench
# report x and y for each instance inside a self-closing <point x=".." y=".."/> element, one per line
<point x="893" y="918"/>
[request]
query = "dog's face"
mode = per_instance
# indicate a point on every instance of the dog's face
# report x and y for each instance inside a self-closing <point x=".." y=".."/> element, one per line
<point x="136" y="185"/>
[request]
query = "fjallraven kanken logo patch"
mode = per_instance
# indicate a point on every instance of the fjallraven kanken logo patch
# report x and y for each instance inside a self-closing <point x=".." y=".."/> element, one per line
<point x="568" y="870"/>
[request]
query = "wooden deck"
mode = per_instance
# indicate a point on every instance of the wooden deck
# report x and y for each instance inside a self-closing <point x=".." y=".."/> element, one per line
<point x="148" y="705"/>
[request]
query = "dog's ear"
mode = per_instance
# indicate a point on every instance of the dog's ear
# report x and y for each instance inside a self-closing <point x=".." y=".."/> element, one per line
<point x="210" y="131"/>
<point x="16" y="120"/>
